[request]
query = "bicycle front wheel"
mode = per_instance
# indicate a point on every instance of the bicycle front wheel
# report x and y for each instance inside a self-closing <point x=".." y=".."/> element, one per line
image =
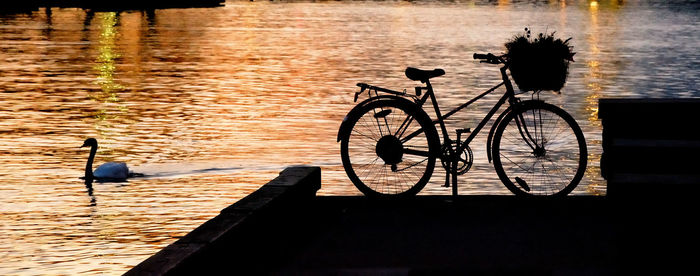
<point x="539" y="149"/>
<point x="390" y="149"/>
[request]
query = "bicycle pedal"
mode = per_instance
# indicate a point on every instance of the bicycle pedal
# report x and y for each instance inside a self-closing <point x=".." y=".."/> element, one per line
<point x="463" y="130"/>
<point x="522" y="184"/>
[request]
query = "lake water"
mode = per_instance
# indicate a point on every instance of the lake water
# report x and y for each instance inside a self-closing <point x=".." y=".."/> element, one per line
<point x="211" y="103"/>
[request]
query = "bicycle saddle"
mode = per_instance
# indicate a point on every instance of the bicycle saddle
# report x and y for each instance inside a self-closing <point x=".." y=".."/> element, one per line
<point x="423" y="75"/>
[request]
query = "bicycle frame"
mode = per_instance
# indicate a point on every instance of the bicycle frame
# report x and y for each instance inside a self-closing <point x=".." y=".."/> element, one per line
<point x="393" y="146"/>
<point x="420" y="100"/>
<point x="508" y="96"/>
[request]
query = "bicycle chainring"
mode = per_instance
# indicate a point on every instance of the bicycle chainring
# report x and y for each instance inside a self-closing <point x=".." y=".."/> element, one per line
<point x="464" y="162"/>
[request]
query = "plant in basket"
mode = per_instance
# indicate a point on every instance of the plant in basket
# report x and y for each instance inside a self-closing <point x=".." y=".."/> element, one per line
<point x="541" y="63"/>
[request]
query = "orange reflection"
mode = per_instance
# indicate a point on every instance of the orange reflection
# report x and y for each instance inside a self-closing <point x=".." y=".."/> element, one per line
<point x="257" y="86"/>
<point x="594" y="77"/>
<point x="600" y="72"/>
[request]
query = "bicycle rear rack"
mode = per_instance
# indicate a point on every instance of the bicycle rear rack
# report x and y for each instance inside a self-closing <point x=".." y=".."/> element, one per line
<point x="377" y="90"/>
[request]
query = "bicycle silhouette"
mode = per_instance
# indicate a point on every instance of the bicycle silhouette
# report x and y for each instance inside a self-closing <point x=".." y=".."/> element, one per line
<point x="389" y="144"/>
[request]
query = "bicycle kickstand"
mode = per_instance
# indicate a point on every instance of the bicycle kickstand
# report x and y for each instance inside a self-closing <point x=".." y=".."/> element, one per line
<point x="451" y="177"/>
<point x="454" y="175"/>
<point x="447" y="178"/>
<point x="455" y="155"/>
<point x="451" y="172"/>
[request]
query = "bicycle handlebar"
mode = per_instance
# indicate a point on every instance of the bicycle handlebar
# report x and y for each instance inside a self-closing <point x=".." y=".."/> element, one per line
<point x="482" y="56"/>
<point x="489" y="58"/>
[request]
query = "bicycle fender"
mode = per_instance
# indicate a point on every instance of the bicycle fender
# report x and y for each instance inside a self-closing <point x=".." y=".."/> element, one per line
<point x="345" y="127"/>
<point x="489" y="140"/>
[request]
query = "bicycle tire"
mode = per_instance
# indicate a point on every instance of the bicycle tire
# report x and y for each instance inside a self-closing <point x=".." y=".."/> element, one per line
<point x="375" y="159"/>
<point x="556" y="164"/>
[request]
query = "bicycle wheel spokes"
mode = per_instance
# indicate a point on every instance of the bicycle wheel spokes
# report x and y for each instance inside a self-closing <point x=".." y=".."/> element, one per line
<point x="379" y="160"/>
<point x="539" y="152"/>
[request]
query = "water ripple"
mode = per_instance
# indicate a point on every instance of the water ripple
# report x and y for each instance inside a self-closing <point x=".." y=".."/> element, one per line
<point x="211" y="103"/>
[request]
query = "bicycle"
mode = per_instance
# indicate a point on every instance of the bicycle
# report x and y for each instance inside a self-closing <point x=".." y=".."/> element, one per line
<point x="389" y="144"/>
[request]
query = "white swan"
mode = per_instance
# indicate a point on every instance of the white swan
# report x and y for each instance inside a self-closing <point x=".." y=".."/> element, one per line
<point x="111" y="171"/>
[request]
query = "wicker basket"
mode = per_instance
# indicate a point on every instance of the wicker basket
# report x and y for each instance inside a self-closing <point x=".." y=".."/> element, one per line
<point x="539" y="64"/>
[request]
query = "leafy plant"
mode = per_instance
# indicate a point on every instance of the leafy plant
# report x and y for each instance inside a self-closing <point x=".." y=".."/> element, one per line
<point x="540" y="63"/>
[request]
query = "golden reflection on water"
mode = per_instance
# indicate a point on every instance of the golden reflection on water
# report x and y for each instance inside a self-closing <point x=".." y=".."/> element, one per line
<point x="599" y="74"/>
<point x="105" y="64"/>
<point x="594" y="76"/>
<point x="594" y="4"/>
<point x="212" y="103"/>
<point x="107" y="56"/>
<point x="594" y="88"/>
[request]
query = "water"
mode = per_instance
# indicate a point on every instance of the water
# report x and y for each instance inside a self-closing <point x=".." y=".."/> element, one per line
<point x="212" y="103"/>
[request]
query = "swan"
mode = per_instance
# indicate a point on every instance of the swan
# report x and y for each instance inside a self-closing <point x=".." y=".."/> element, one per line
<point x="111" y="171"/>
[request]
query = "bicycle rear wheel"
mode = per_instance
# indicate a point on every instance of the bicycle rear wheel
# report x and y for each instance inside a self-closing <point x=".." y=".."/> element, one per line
<point x="539" y="149"/>
<point x="381" y="156"/>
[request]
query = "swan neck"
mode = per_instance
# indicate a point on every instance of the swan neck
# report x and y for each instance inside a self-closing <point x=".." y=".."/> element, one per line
<point x="91" y="158"/>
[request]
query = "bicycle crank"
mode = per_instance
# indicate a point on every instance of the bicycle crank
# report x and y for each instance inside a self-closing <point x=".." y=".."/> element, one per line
<point x="464" y="160"/>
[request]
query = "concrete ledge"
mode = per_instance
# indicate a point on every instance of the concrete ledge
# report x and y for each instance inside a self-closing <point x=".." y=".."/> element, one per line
<point x="283" y="229"/>
<point x="650" y="147"/>
<point x="240" y="223"/>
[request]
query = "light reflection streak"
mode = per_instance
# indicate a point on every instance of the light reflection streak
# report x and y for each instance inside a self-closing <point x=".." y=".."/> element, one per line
<point x="593" y="78"/>
<point x="107" y="56"/>
<point x="106" y="68"/>
<point x="503" y="4"/>
<point x="594" y="82"/>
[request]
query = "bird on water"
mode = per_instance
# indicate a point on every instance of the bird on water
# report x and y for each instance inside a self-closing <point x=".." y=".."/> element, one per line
<point x="111" y="171"/>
